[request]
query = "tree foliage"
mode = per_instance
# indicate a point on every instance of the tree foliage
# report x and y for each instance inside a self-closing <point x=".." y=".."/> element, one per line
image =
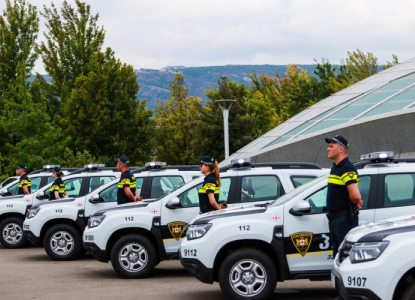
<point x="176" y="121"/>
<point x="103" y="115"/>
<point x="72" y="40"/>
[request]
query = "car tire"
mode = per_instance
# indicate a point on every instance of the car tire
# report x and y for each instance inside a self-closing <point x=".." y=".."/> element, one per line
<point x="12" y="236"/>
<point x="133" y="256"/>
<point x="248" y="273"/>
<point x="62" y="242"/>
<point x="409" y="293"/>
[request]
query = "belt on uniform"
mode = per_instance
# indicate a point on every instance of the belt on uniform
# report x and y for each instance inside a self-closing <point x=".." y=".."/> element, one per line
<point x="337" y="215"/>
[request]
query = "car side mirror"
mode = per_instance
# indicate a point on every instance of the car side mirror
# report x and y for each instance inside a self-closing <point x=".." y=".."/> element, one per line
<point x="95" y="198"/>
<point x="173" y="203"/>
<point x="4" y="192"/>
<point x="300" y="208"/>
<point x="40" y="195"/>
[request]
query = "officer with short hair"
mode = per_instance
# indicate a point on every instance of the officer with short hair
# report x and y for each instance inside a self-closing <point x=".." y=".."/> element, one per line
<point x="25" y="184"/>
<point x="127" y="191"/>
<point x="343" y="196"/>
<point x="58" y="188"/>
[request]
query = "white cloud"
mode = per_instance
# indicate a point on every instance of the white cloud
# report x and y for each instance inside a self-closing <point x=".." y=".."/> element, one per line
<point x="154" y="34"/>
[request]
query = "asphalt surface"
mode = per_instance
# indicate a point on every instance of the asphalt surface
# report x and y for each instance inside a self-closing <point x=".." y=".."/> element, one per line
<point x="29" y="273"/>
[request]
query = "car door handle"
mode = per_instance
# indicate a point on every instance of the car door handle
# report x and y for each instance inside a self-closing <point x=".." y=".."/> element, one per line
<point x="362" y="222"/>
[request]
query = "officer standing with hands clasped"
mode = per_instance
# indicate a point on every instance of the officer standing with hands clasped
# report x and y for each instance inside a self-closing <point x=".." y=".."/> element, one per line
<point x="25" y="185"/>
<point x="343" y="196"/>
<point x="127" y="191"/>
<point x="209" y="192"/>
<point x="58" y="188"/>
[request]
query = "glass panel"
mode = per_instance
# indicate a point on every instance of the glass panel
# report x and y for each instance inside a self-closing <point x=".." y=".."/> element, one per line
<point x="374" y="97"/>
<point x="162" y="185"/>
<point x="299" y="128"/>
<point x="14" y="189"/>
<point x="110" y="193"/>
<point x="279" y="140"/>
<point x="50" y="179"/>
<point x="328" y="112"/>
<point x="398" y="84"/>
<point x="97" y="181"/>
<point x="190" y="198"/>
<point x="260" y="188"/>
<point x="8" y="181"/>
<point x="387" y="107"/>
<point x="350" y="111"/>
<point x="318" y="202"/>
<point x="410" y="76"/>
<point x="35" y="183"/>
<point x="364" y="188"/>
<point x="323" y="125"/>
<point x="73" y="187"/>
<point x="399" y="190"/>
<point x="300" y="180"/>
<point x="405" y="95"/>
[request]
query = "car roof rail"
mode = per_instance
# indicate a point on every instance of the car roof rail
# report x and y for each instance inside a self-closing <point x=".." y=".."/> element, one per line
<point x="114" y="169"/>
<point x="277" y="165"/>
<point x="174" y="167"/>
<point x="362" y="163"/>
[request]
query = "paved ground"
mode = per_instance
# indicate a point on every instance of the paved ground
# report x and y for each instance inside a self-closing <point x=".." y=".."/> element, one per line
<point x="30" y="274"/>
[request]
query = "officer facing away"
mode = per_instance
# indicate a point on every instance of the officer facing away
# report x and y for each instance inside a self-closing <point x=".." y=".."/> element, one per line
<point x="343" y="196"/>
<point x="127" y="191"/>
<point x="25" y="184"/>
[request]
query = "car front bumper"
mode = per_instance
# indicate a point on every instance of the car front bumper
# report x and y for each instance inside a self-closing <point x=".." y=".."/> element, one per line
<point x="30" y="236"/>
<point x="95" y="251"/>
<point x="197" y="269"/>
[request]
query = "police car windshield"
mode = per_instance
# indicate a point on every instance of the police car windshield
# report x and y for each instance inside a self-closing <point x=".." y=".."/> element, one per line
<point x="287" y="197"/>
<point x="175" y="189"/>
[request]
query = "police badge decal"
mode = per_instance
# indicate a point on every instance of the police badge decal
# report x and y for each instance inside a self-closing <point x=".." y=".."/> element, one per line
<point x="302" y="241"/>
<point x="176" y="229"/>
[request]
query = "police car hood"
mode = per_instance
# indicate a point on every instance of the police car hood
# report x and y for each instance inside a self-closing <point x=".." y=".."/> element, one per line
<point x="13" y="197"/>
<point x="377" y="231"/>
<point x="226" y="213"/>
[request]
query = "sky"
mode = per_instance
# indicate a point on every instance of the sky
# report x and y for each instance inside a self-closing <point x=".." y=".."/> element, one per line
<point x="192" y="33"/>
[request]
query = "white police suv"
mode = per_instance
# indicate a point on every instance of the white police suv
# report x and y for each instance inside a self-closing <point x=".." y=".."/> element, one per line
<point x="376" y="261"/>
<point x="13" y="207"/>
<point x="58" y="225"/>
<point x="8" y="181"/>
<point x="247" y="250"/>
<point x="136" y="237"/>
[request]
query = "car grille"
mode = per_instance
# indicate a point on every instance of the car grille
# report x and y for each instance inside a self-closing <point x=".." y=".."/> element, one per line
<point x="344" y="251"/>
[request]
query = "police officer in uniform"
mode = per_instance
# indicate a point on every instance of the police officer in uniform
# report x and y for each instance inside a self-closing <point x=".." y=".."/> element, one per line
<point x="58" y="188"/>
<point x="25" y="185"/>
<point x="127" y="191"/>
<point x="343" y="196"/>
<point x="209" y="192"/>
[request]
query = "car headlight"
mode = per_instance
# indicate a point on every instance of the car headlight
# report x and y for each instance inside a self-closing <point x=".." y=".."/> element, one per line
<point x="95" y="221"/>
<point x="362" y="252"/>
<point x="32" y="212"/>
<point x="197" y="231"/>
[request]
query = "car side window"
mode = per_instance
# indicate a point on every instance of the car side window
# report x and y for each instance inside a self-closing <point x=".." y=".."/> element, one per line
<point x="51" y="179"/>
<point x="97" y="181"/>
<point x="399" y="190"/>
<point x="8" y="181"/>
<point x="14" y="189"/>
<point x="35" y="183"/>
<point x="190" y="198"/>
<point x="318" y="200"/>
<point x="73" y="187"/>
<point x="300" y="180"/>
<point x="110" y="193"/>
<point x="260" y="188"/>
<point x="163" y="184"/>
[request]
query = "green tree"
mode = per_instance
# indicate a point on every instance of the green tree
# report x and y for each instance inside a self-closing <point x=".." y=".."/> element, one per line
<point x="324" y="71"/>
<point x="176" y="121"/>
<point x="78" y="160"/>
<point x="103" y="115"/>
<point x="31" y="139"/>
<point x="242" y="124"/>
<point x="72" y="39"/>
<point x="261" y="108"/>
<point x="394" y="62"/>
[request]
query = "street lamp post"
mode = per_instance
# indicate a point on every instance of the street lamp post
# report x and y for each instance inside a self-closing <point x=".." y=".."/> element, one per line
<point x="225" y="106"/>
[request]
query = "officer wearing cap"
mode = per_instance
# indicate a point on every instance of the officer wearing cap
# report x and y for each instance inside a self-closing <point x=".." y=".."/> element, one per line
<point x="58" y="188"/>
<point x="25" y="185"/>
<point x="127" y="191"/>
<point x="343" y="196"/>
<point x="209" y="192"/>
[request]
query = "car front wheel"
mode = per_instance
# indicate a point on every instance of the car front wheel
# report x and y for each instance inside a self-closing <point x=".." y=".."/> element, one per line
<point x="133" y="256"/>
<point x="62" y="242"/>
<point x="248" y="274"/>
<point x="12" y="233"/>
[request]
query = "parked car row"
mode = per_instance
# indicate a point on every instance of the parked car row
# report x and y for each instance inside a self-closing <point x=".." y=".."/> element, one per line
<point x="274" y="229"/>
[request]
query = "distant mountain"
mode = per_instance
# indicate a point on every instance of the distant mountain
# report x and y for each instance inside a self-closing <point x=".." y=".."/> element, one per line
<point x="154" y="84"/>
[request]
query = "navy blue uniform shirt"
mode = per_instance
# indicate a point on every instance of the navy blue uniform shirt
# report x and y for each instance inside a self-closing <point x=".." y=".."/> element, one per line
<point x="127" y="180"/>
<point x="210" y="185"/>
<point x="24" y="180"/>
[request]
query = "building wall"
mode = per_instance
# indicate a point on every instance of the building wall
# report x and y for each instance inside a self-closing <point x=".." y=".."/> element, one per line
<point x="392" y="133"/>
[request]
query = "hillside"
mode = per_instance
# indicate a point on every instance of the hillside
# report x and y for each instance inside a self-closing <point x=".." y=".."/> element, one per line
<point x="154" y="84"/>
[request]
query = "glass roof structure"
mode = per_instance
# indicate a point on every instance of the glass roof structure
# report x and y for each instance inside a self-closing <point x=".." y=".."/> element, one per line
<point x="390" y="90"/>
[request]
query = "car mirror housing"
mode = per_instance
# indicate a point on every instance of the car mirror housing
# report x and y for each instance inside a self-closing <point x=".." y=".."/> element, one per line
<point x="300" y="208"/>
<point x="173" y="203"/>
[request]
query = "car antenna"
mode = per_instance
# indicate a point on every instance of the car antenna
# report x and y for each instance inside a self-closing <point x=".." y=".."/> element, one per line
<point x="317" y="154"/>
